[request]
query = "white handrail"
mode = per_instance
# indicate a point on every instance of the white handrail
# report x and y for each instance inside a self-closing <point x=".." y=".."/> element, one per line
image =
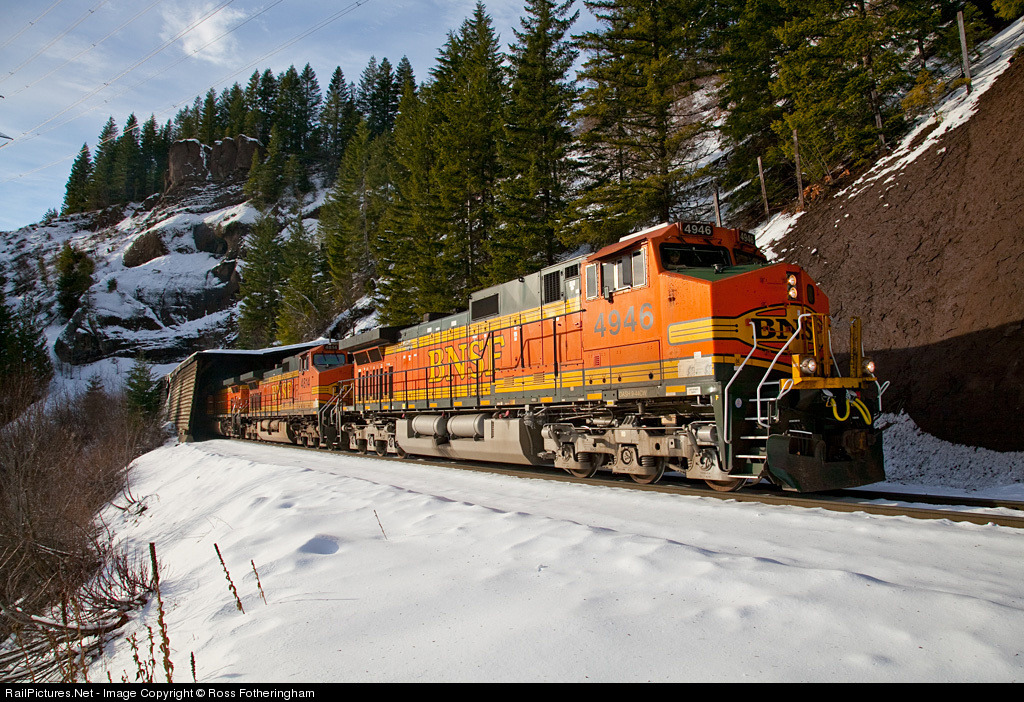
<point x="799" y="328"/>
<point x="725" y="394"/>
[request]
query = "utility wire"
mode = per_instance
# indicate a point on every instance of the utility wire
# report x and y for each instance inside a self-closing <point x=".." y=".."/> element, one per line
<point x="54" y="40"/>
<point x="30" y="24"/>
<point x="319" y="25"/>
<point x="147" y="79"/>
<point x="120" y="75"/>
<point x="90" y="48"/>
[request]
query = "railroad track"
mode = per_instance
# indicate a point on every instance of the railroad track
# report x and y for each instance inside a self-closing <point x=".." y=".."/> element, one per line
<point x="896" y="504"/>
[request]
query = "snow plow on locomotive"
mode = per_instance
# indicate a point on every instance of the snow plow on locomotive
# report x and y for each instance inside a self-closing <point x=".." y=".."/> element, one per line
<point x="679" y="348"/>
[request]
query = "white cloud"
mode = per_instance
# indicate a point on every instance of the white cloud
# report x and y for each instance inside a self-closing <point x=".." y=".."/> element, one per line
<point x="209" y="39"/>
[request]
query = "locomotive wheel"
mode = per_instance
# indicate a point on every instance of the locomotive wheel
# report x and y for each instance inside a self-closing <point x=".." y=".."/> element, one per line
<point x="381" y="448"/>
<point x="586" y="470"/>
<point x="588" y="463"/>
<point x="650" y="479"/>
<point x="726" y="485"/>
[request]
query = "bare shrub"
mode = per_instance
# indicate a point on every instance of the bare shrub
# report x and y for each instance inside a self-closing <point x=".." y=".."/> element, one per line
<point x="63" y="584"/>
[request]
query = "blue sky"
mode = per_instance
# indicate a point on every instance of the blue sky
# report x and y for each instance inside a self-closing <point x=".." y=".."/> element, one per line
<point x="67" y="65"/>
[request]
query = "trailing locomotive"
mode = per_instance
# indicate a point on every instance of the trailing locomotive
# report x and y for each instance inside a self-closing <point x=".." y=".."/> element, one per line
<point x="679" y="348"/>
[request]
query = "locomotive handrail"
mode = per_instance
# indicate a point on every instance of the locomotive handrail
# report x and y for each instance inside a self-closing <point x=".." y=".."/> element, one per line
<point x="771" y="366"/>
<point x="725" y="394"/>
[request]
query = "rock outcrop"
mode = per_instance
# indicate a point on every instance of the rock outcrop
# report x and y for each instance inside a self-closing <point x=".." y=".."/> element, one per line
<point x="191" y="163"/>
<point x="931" y="256"/>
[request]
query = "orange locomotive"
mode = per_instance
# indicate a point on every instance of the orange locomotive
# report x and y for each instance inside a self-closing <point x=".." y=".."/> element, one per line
<point x="678" y="348"/>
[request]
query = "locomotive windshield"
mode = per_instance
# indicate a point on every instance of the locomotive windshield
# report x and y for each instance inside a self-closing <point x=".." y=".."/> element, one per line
<point x="328" y="360"/>
<point x="678" y="257"/>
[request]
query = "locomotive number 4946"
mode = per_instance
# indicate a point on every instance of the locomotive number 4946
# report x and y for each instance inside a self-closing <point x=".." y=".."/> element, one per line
<point x="617" y="323"/>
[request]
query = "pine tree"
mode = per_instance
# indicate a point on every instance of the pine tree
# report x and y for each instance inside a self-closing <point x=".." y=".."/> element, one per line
<point x="25" y="367"/>
<point x="408" y="245"/>
<point x="127" y="169"/>
<point x="266" y="175"/>
<point x="337" y="121"/>
<point x="233" y="100"/>
<point x="261" y="101"/>
<point x="638" y="137"/>
<point x="141" y="390"/>
<point x="305" y="308"/>
<point x="1008" y="9"/>
<point x="153" y="147"/>
<point x="76" y="193"/>
<point x="351" y="217"/>
<point x="750" y="47"/>
<point x="74" y="269"/>
<point x="312" y="105"/>
<point x="839" y="74"/>
<point x="261" y="280"/>
<point x="469" y="93"/>
<point x="295" y="111"/>
<point x="211" y="122"/>
<point x="538" y="169"/>
<point x="102" y="188"/>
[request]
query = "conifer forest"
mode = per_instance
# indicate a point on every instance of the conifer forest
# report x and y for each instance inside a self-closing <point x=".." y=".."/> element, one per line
<point x="506" y="155"/>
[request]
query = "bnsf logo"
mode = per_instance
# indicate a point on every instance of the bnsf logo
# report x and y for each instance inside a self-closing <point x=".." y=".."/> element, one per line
<point x="769" y="329"/>
<point x="463" y="359"/>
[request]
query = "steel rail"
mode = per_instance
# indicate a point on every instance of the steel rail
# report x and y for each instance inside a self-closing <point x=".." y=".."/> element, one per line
<point x="841" y="501"/>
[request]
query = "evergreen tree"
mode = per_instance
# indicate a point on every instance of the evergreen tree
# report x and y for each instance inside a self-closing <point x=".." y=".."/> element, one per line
<point x="211" y="124"/>
<point x="404" y="78"/>
<point x="469" y="94"/>
<point x="235" y="111"/>
<point x="76" y="193"/>
<point x="141" y="390"/>
<point x="383" y="100"/>
<point x="539" y="171"/>
<point x="153" y="147"/>
<point x="351" y="218"/>
<point x="74" y="269"/>
<point x="407" y="242"/>
<point x="838" y="75"/>
<point x="312" y="105"/>
<point x="25" y="368"/>
<point x="102" y="187"/>
<point x="338" y="120"/>
<point x="1008" y="9"/>
<point x="127" y="170"/>
<point x="750" y="48"/>
<point x="297" y="105"/>
<point x="266" y="175"/>
<point x="261" y="101"/>
<point x="305" y="308"/>
<point x="259" y="289"/>
<point x="638" y="136"/>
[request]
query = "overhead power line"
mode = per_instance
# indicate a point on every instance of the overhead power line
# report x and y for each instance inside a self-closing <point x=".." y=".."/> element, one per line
<point x="90" y="47"/>
<point x="30" y="24"/>
<point x="54" y="40"/>
<point x="302" y="35"/>
<point x="218" y="8"/>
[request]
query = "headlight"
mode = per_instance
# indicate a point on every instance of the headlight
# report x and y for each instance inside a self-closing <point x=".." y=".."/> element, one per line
<point x="791" y="281"/>
<point x="868" y="366"/>
<point x="808" y="366"/>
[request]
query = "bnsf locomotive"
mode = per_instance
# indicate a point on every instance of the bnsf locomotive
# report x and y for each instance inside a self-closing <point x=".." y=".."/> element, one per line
<point x="679" y="348"/>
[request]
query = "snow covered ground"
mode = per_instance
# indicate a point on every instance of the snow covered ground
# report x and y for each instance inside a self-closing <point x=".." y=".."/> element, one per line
<point x="383" y="571"/>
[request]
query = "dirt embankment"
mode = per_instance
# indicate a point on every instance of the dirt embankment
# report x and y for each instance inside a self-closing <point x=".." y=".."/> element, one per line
<point x="932" y="259"/>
